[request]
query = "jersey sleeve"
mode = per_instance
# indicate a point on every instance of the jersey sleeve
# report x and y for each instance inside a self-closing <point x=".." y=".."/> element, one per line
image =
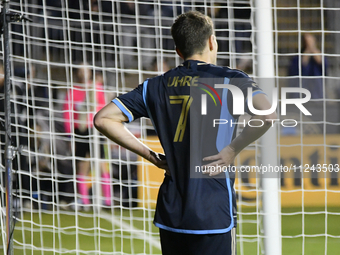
<point x="132" y="104"/>
<point x="243" y="81"/>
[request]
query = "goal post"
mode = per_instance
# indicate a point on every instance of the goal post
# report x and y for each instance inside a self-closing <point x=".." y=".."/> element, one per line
<point x="9" y="149"/>
<point x="268" y="142"/>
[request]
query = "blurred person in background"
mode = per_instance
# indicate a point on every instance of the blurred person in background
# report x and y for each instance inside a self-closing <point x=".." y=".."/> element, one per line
<point x="312" y="64"/>
<point x="135" y="20"/>
<point x="80" y="105"/>
<point x="124" y="171"/>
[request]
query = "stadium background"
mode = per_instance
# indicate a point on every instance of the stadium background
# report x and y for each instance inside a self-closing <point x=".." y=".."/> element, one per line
<point x="64" y="34"/>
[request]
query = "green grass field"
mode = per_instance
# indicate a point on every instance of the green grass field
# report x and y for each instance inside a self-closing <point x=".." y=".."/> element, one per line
<point x="57" y="234"/>
<point x="92" y="234"/>
<point x="293" y="225"/>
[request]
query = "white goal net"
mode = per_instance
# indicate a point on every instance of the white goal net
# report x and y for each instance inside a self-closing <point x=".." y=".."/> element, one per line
<point x="75" y="192"/>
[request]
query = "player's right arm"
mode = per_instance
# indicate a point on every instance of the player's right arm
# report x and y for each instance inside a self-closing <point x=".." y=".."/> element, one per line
<point x="249" y="134"/>
<point x="110" y="122"/>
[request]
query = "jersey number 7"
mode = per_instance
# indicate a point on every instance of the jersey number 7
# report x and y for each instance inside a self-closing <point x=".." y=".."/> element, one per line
<point x="185" y="101"/>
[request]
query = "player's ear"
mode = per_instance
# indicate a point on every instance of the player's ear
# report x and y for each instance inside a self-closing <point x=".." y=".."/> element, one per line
<point x="179" y="53"/>
<point x="212" y="42"/>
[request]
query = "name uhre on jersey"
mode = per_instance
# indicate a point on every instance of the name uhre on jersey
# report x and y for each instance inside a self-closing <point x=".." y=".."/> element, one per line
<point x="176" y="81"/>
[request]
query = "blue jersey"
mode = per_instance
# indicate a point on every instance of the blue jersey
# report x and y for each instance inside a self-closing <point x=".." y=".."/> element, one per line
<point x="189" y="202"/>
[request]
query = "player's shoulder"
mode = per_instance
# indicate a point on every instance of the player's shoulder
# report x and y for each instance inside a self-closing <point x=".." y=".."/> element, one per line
<point x="239" y="78"/>
<point x="210" y="69"/>
<point x="234" y="73"/>
<point x="225" y="72"/>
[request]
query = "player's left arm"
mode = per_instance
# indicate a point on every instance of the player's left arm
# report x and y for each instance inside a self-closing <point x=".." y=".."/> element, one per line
<point x="249" y="134"/>
<point x="110" y="122"/>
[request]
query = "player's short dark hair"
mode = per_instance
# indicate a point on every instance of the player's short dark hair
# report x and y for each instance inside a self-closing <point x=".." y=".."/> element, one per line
<point x="191" y="31"/>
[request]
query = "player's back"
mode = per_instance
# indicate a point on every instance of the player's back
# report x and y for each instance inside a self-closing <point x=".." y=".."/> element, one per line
<point x="189" y="200"/>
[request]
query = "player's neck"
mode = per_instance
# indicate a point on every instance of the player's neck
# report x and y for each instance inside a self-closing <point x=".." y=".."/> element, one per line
<point x="202" y="57"/>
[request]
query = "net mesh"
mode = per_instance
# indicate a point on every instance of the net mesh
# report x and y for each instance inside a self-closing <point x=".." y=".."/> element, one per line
<point x="76" y="192"/>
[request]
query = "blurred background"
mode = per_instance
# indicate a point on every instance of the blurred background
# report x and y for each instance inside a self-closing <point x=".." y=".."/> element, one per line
<point x="76" y="192"/>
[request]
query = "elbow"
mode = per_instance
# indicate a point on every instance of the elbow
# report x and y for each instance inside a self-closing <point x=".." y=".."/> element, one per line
<point x="271" y="118"/>
<point x="97" y="122"/>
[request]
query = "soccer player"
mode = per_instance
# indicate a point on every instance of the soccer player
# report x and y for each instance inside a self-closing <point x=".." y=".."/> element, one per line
<point x="196" y="212"/>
